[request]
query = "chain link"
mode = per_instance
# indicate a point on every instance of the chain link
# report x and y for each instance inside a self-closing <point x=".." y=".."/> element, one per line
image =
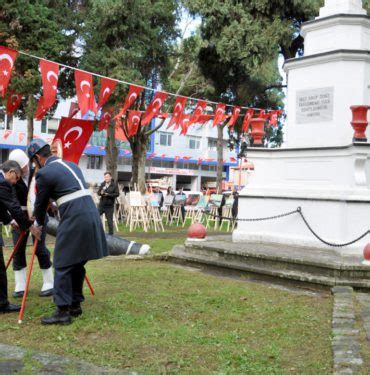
<point x="296" y="211"/>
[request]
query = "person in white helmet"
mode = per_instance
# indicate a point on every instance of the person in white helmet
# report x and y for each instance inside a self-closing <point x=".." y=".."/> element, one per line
<point x="42" y="253"/>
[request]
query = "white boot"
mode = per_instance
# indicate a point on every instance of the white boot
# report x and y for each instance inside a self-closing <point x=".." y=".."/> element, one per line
<point x="20" y="282"/>
<point x="48" y="285"/>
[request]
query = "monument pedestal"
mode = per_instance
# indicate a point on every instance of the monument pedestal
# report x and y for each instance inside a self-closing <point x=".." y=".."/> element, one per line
<point x="331" y="185"/>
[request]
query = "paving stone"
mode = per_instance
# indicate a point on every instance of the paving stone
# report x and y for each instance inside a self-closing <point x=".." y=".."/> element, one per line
<point x="342" y="289"/>
<point x="11" y="366"/>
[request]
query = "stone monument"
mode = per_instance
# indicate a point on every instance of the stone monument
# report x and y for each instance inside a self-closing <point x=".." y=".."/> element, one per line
<point x="320" y="168"/>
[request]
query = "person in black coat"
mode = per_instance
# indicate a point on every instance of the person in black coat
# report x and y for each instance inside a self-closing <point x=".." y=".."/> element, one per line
<point x="80" y="236"/>
<point x="108" y="192"/>
<point x="42" y="253"/>
<point x="10" y="212"/>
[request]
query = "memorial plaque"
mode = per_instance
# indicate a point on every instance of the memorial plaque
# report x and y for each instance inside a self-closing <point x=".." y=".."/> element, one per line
<point x="315" y="105"/>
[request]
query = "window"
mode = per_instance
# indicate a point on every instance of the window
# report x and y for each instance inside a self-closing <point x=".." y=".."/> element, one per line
<point x="209" y="168"/>
<point x="193" y="143"/>
<point x="44" y="124"/>
<point x="53" y="124"/>
<point x="165" y="139"/>
<point x="124" y="161"/>
<point x="94" y="162"/>
<point x="2" y="119"/>
<point x="212" y="144"/>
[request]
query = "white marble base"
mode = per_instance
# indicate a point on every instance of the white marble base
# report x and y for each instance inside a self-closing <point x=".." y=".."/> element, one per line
<point x="332" y="186"/>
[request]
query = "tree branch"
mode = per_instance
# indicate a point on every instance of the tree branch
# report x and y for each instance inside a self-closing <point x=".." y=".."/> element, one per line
<point x="151" y="131"/>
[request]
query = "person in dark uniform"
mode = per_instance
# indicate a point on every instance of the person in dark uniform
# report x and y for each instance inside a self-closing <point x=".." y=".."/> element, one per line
<point x="10" y="212"/>
<point x="80" y="236"/>
<point x="108" y="192"/>
<point x="42" y="253"/>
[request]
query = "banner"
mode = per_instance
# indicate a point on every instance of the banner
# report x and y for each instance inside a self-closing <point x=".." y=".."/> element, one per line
<point x="7" y="60"/>
<point x="154" y="107"/>
<point x="106" y="89"/>
<point x="131" y="97"/>
<point x="85" y="92"/>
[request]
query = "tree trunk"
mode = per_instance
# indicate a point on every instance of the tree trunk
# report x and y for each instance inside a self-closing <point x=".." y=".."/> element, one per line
<point x="112" y="152"/>
<point x="139" y="151"/>
<point x="30" y="106"/>
<point x="220" y="157"/>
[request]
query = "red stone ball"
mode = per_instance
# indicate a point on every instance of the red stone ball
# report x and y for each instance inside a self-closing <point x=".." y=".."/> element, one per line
<point x="197" y="231"/>
<point x="367" y="252"/>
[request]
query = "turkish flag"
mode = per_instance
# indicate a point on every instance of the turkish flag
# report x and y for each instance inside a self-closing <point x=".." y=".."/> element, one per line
<point x="234" y="117"/>
<point x="154" y="107"/>
<point x="247" y="120"/>
<point x="202" y="104"/>
<point x="85" y="92"/>
<point x="71" y="138"/>
<point x="7" y="59"/>
<point x="73" y="109"/>
<point x="178" y="110"/>
<point x="274" y="116"/>
<point x="7" y="134"/>
<point x="105" y="119"/>
<point x="263" y="114"/>
<point x="233" y="160"/>
<point x="133" y="122"/>
<point x="106" y="89"/>
<point x="219" y="114"/>
<point x="185" y="124"/>
<point x="186" y="157"/>
<point x="13" y="103"/>
<point x="199" y="161"/>
<point x="205" y="118"/>
<point x="49" y="74"/>
<point x="133" y="94"/>
<point x="119" y="134"/>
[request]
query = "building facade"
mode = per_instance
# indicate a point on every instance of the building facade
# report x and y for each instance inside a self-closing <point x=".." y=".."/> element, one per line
<point x="183" y="161"/>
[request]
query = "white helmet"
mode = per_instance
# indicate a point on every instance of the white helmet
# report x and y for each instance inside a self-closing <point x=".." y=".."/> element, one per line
<point x="20" y="157"/>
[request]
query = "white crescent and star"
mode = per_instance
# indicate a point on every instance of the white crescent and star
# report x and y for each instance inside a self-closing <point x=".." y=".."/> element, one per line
<point x="85" y="83"/>
<point x="51" y="73"/>
<point x="106" y="91"/>
<point x="77" y="129"/>
<point x="135" y="118"/>
<point x="159" y="101"/>
<point x="7" y="57"/>
<point x="133" y="96"/>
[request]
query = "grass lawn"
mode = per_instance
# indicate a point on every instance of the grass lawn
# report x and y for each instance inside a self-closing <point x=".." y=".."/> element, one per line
<point x="158" y="318"/>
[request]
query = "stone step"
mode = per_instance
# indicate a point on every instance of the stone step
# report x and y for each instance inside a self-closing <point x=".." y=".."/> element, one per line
<point x="299" y="265"/>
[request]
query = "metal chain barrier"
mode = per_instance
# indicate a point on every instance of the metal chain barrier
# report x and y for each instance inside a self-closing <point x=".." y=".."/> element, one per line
<point x="296" y="211"/>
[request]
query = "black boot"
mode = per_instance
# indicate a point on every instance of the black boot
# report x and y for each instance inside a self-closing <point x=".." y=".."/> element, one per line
<point x="60" y="316"/>
<point x="18" y="294"/>
<point x="75" y="310"/>
<point x="9" y="308"/>
<point x="46" y="293"/>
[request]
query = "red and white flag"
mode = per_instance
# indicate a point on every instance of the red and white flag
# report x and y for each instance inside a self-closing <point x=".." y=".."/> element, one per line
<point x="178" y="110"/>
<point x="13" y="102"/>
<point x="106" y="89"/>
<point x="150" y="156"/>
<point x="234" y="117"/>
<point x="154" y="107"/>
<point x="199" y="161"/>
<point x="263" y="114"/>
<point x="202" y="104"/>
<point x="49" y="74"/>
<point x="205" y="118"/>
<point x="184" y="124"/>
<point x="233" y="160"/>
<point x="133" y="122"/>
<point x="119" y="133"/>
<point x="7" y="134"/>
<point x="105" y="120"/>
<point x="274" y="117"/>
<point x="85" y="92"/>
<point x="7" y="60"/>
<point x="247" y="120"/>
<point x="186" y="157"/>
<point x="133" y="94"/>
<point x="219" y="114"/>
<point x="71" y="138"/>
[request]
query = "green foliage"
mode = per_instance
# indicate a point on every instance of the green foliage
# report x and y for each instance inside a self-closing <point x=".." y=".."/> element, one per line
<point x="46" y="29"/>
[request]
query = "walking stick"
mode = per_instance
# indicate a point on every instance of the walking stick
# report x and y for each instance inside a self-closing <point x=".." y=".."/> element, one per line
<point x="23" y="306"/>
<point x="16" y="247"/>
<point x="90" y="286"/>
